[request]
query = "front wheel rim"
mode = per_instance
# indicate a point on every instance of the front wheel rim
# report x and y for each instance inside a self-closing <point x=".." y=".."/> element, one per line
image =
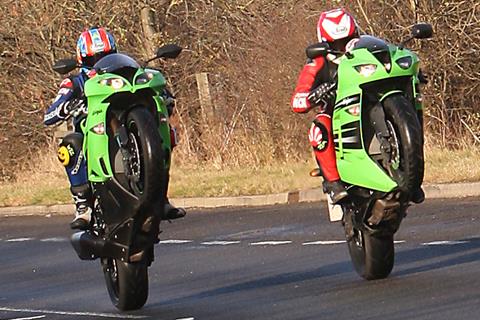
<point x="135" y="168"/>
<point x="394" y="162"/>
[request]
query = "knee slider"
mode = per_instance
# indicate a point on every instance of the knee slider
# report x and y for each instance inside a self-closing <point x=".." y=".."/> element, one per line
<point x="318" y="135"/>
<point x="69" y="147"/>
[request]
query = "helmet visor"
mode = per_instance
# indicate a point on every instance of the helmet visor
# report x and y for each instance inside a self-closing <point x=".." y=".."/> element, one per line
<point x="91" y="60"/>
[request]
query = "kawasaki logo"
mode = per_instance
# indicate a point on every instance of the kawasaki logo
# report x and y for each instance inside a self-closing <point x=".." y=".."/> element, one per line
<point x="348" y="101"/>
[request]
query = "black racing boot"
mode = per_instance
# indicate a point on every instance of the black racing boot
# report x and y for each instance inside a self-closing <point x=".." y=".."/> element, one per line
<point x="418" y="196"/>
<point x="82" y="195"/>
<point x="335" y="189"/>
<point x="172" y="212"/>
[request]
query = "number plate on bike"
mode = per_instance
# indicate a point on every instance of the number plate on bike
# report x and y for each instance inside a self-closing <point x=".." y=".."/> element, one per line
<point x="335" y="211"/>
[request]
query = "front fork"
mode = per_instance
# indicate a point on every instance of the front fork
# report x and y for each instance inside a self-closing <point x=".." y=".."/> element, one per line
<point x="120" y="135"/>
<point x="418" y="98"/>
<point x="378" y="121"/>
<point x="377" y="118"/>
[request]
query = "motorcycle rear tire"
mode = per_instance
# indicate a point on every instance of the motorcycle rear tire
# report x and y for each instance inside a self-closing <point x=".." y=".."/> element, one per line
<point x="127" y="283"/>
<point x="372" y="256"/>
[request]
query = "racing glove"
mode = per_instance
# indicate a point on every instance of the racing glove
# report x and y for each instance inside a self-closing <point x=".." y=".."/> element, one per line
<point x="73" y="107"/>
<point x="422" y="77"/>
<point x="324" y="94"/>
<point x="169" y="101"/>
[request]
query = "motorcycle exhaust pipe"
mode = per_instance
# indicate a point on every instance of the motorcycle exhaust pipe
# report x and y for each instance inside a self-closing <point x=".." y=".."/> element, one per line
<point x="383" y="209"/>
<point x="87" y="245"/>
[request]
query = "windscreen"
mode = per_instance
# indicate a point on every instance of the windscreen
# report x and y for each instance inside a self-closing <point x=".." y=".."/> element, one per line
<point x="114" y="62"/>
<point x="372" y="44"/>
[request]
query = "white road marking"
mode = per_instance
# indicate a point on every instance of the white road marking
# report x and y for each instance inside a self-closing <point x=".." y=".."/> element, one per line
<point x="192" y="318"/>
<point x="55" y="239"/>
<point x="443" y="243"/>
<point x="29" y="318"/>
<point x="67" y="313"/>
<point x="270" y="243"/>
<point x="219" y="243"/>
<point x="175" y="241"/>
<point x="225" y="243"/>
<point x="326" y="242"/>
<point x="19" y="239"/>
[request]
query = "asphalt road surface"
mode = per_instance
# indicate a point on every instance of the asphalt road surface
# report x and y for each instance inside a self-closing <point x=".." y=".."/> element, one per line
<point x="278" y="262"/>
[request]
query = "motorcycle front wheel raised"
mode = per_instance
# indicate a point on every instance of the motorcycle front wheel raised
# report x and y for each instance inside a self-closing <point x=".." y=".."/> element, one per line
<point x="145" y="165"/>
<point x="372" y="254"/>
<point x="127" y="283"/>
<point x="406" y="165"/>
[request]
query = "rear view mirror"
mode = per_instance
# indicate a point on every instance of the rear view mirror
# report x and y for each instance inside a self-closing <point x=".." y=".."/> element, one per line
<point x="64" y="66"/>
<point x="316" y="50"/>
<point x="169" y="51"/>
<point x="422" y="31"/>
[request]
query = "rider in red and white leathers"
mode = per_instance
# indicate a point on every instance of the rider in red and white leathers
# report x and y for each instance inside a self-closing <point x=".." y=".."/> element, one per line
<point x="316" y="88"/>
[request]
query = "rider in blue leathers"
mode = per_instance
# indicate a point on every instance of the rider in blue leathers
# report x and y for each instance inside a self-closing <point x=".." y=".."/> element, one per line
<point x="70" y="102"/>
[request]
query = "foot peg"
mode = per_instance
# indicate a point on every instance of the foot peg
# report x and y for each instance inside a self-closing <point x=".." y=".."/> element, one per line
<point x="316" y="172"/>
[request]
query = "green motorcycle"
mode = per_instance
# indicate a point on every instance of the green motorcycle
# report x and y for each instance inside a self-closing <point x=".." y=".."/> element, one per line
<point x="378" y="133"/>
<point x="127" y="148"/>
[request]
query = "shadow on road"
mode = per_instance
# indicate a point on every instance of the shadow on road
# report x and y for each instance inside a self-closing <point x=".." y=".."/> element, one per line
<point x="421" y="259"/>
<point x="270" y="281"/>
<point x="442" y="255"/>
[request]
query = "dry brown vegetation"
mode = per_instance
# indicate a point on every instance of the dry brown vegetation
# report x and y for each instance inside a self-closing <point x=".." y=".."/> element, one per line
<point x="45" y="182"/>
<point x="252" y="51"/>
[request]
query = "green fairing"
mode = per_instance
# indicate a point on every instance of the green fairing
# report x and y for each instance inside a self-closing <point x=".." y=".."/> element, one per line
<point x="355" y="166"/>
<point x="95" y="146"/>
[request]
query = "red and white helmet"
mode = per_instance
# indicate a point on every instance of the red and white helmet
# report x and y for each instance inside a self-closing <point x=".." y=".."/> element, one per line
<point x="336" y="27"/>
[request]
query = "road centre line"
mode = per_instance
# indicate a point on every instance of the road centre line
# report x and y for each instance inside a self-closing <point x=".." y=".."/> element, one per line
<point x="327" y="242"/>
<point x="29" y="318"/>
<point x="173" y="241"/>
<point x="270" y="243"/>
<point x="19" y="239"/>
<point x="443" y="243"/>
<point x="54" y="239"/>
<point x="75" y="313"/>
<point x="231" y="242"/>
<point x="219" y="243"/>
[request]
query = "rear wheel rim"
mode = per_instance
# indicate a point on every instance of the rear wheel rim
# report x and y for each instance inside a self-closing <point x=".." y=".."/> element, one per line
<point x="358" y="238"/>
<point x="112" y="271"/>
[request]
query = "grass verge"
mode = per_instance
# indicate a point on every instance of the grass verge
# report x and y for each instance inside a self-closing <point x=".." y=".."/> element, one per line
<point x="46" y="183"/>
